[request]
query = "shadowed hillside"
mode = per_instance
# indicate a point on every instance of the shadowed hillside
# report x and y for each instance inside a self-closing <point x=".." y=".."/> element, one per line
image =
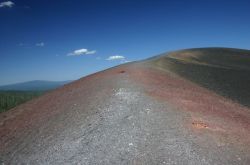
<point x="223" y="70"/>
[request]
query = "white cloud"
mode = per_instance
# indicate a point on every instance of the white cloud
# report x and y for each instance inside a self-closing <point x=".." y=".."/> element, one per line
<point x="7" y="4"/>
<point x="117" y="57"/>
<point x="40" y="44"/>
<point x="80" y="52"/>
<point x="91" y="52"/>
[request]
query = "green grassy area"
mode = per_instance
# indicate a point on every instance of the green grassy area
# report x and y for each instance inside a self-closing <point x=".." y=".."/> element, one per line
<point x="10" y="99"/>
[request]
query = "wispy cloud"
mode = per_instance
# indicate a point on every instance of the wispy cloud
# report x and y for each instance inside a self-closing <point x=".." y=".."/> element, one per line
<point x="8" y="4"/>
<point x="116" y="57"/>
<point x="41" y="44"/>
<point x="80" y="52"/>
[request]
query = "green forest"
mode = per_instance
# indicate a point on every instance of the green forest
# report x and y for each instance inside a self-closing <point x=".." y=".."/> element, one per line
<point x="10" y="99"/>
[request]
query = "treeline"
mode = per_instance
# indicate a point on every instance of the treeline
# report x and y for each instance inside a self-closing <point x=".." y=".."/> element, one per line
<point x="10" y="99"/>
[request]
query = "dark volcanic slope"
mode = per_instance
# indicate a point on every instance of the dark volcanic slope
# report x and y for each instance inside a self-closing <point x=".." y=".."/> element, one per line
<point x="171" y="109"/>
<point x="225" y="71"/>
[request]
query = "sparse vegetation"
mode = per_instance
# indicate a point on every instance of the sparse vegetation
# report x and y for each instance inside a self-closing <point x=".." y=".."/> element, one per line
<point x="10" y="99"/>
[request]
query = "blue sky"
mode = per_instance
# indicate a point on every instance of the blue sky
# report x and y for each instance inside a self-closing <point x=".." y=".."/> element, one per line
<point x="68" y="39"/>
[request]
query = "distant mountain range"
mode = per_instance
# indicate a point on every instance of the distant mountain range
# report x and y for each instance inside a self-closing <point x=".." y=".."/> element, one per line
<point x="36" y="85"/>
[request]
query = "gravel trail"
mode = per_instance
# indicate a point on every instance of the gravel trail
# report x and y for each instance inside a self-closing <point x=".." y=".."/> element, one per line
<point x="109" y="118"/>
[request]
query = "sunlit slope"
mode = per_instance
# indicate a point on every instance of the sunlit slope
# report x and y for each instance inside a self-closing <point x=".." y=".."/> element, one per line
<point x="223" y="70"/>
<point x="145" y="112"/>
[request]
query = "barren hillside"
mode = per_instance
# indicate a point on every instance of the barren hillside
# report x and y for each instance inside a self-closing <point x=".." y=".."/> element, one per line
<point x="183" y="107"/>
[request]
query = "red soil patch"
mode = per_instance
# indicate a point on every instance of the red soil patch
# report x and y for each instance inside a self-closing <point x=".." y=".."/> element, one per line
<point x="199" y="124"/>
<point x="16" y="123"/>
<point x="122" y="71"/>
<point x="219" y="112"/>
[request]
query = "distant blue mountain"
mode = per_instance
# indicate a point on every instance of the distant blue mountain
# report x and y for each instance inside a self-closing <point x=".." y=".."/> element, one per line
<point x="36" y="85"/>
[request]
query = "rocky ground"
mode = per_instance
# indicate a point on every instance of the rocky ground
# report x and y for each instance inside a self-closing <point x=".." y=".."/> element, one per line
<point x="131" y="114"/>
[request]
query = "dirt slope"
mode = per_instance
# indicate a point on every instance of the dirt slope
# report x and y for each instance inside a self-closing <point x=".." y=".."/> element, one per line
<point x="223" y="70"/>
<point x="151" y="112"/>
